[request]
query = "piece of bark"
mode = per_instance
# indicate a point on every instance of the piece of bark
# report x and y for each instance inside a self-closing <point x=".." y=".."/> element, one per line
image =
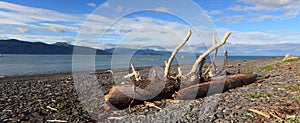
<point x="224" y="83"/>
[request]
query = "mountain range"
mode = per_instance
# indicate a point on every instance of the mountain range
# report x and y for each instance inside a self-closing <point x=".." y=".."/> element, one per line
<point x="14" y="46"/>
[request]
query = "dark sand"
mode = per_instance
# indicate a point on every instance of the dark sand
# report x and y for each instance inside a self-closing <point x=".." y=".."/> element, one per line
<point x="79" y="98"/>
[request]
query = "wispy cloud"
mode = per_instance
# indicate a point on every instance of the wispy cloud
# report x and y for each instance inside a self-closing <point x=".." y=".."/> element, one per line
<point x="215" y="12"/>
<point x="119" y="9"/>
<point x="262" y="10"/>
<point x="91" y="5"/>
<point x="105" y="5"/>
<point x="58" y="28"/>
<point x="22" y="30"/>
<point x="260" y="37"/>
<point x="276" y="49"/>
<point x="31" y="14"/>
<point x="262" y="5"/>
<point x="231" y="19"/>
<point x="29" y="17"/>
<point x="162" y="9"/>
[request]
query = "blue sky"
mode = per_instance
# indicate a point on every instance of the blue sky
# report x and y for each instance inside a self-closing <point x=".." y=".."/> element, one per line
<point x="259" y="27"/>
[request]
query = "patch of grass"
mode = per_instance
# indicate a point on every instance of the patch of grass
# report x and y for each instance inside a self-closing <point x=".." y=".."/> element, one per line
<point x="35" y="97"/>
<point x="61" y="105"/>
<point x="84" y="111"/>
<point x="287" y="86"/>
<point x="247" y="72"/>
<point x="296" y="96"/>
<point x="257" y="95"/>
<point x="278" y="63"/>
<point x="292" y="87"/>
<point x="292" y="60"/>
<point x="268" y="68"/>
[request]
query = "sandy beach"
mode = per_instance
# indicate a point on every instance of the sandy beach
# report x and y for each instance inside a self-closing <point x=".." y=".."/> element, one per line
<point x="275" y="96"/>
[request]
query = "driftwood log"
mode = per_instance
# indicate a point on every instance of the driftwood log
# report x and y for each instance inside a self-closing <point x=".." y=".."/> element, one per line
<point x="122" y="96"/>
<point x="165" y="86"/>
<point x="224" y="83"/>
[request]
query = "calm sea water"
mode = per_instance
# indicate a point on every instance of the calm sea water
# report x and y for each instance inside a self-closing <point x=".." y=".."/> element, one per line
<point x="11" y="65"/>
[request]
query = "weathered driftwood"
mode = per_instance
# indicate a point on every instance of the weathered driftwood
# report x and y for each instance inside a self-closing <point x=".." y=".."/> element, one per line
<point x="224" y="83"/>
<point x="121" y="96"/>
<point x="163" y="86"/>
<point x="194" y="76"/>
<point x="169" y="62"/>
<point x="134" y="73"/>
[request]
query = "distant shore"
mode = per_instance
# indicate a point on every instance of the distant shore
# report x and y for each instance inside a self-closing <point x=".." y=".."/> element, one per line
<point x="38" y="98"/>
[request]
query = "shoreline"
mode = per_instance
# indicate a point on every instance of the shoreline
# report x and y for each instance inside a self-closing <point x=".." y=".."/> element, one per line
<point x="118" y="69"/>
<point x="13" y="67"/>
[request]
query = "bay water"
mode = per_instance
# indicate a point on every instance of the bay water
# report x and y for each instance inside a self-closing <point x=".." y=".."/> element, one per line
<point x="12" y="65"/>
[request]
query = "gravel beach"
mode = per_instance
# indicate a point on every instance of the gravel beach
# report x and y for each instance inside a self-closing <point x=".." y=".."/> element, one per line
<point x="78" y="97"/>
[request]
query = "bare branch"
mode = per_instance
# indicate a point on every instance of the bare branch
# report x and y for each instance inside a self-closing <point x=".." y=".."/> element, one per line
<point x="225" y="60"/>
<point x="49" y="107"/>
<point x="179" y="75"/>
<point x="216" y="52"/>
<point x="214" y="67"/>
<point x="207" y="52"/>
<point x="260" y="113"/>
<point x="207" y="70"/>
<point x="56" y="121"/>
<point x="150" y="104"/>
<point x="211" y="70"/>
<point x="134" y="73"/>
<point x="168" y="64"/>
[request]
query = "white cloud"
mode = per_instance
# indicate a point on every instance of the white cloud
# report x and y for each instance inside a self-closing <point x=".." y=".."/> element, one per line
<point x="91" y="5"/>
<point x="215" y="12"/>
<point x="105" y="5"/>
<point x="263" y="10"/>
<point x="255" y="37"/>
<point x="31" y="14"/>
<point x="231" y="19"/>
<point x="162" y="9"/>
<point x="119" y="9"/>
<point x="4" y="21"/>
<point x="22" y="30"/>
<point x="58" y="28"/>
<point x="262" y="38"/>
<point x="274" y="42"/>
<point x="29" y="17"/>
<point x="276" y="49"/>
<point x="261" y="5"/>
<point x="98" y="24"/>
<point x="99" y="18"/>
